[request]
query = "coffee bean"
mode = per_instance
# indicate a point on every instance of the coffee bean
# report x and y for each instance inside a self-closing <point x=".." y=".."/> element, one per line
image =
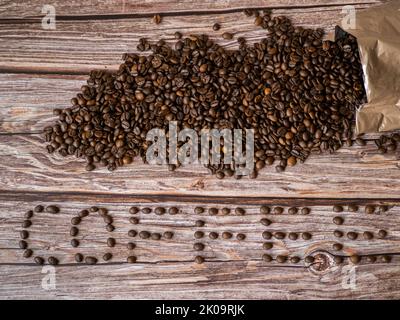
<point x="93" y="209"/>
<point x="278" y="210"/>
<point x="146" y="210"/>
<point x="144" y="234"/>
<point x="338" y="259"/>
<point x="133" y="210"/>
<point x="353" y="208"/>
<point x="168" y="234"/>
<point x="52" y="209"/>
<point x="78" y="257"/>
<point x="352" y="235"/>
<point x="294" y="259"/>
<point x="199" y="234"/>
<point x="338" y="220"/>
<point x="159" y="210"/>
<point x="309" y="259"/>
<point x="227" y="35"/>
<point x="39" y="260"/>
<point x="131" y="246"/>
<point x="111" y="242"/>
<point x="83" y="213"/>
<point x="265" y="222"/>
<point x="157" y="19"/>
<point x="133" y="233"/>
<point x="198" y="246"/>
<point x="280" y="235"/>
<point x="265" y="210"/>
<point x="103" y="212"/>
<point x="293" y="236"/>
<point x="107" y="256"/>
<point x="337" y="246"/>
<point x="110" y="227"/>
<point x="90" y="167"/>
<point x="216" y="26"/>
<point x="240" y="236"/>
<point x="213" y="235"/>
<point x="337" y="208"/>
<point x="355" y="259"/>
<point x="173" y="210"/>
<point x="134" y="220"/>
<point x="386" y="259"/>
<point x="383" y="208"/>
<point x="90" y="260"/>
<point x="305" y="210"/>
<point x="26" y="223"/>
<point x="155" y="236"/>
<point x="225" y="211"/>
<point x="267" y="245"/>
<point x="292" y="210"/>
<point x="131" y="259"/>
<point x="371" y="259"/>
<point x="52" y="261"/>
<point x="199" y="223"/>
<point x="281" y="259"/>
<point x="226" y="235"/>
<point x="267" y="258"/>
<point x="267" y="235"/>
<point x="177" y="35"/>
<point x="28" y="215"/>
<point x="240" y="211"/>
<point x="368" y="235"/>
<point x="23" y="244"/>
<point x="24" y="234"/>
<point x="360" y="142"/>
<point x="38" y="208"/>
<point x="74" y="243"/>
<point x="212" y="211"/>
<point x="382" y="234"/>
<point x="338" y="233"/>
<point x="75" y="221"/>
<point x="198" y="210"/>
<point x="199" y="259"/>
<point x="306" y="236"/>
<point x="369" y="209"/>
<point x="108" y="219"/>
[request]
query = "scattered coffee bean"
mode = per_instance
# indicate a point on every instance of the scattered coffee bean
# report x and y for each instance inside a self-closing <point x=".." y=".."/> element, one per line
<point x="278" y="210"/>
<point x="382" y="234"/>
<point x="309" y="259"/>
<point x="199" y="259"/>
<point x="93" y="209"/>
<point x="305" y="210"/>
<point x="108" y="219"/>
<point x="240" y="236"/>
<point x="216" y="26"/>
<point x="78" y="257"/>
<point x="131" y="246"/>
<point x="383" y="208"/>
<point x="90" y="260"/>
<point x="90" y="167"/>
<point x="240" y="211"/>
<point x="337" y="208"/>
<point x="227" y="36"/>
<point x="371" y="259"/>
<point x="177" y="35"/>
<point x="28" y="214"/>
<point x="131" y="259"/>
<point x="133" y="210"/>
<point x="134" y="220"/>
<point x="267" y="245"/>
<point x="295" y="259"/>
<point x="74" y="243"/>
<point x="159" y="210"/>
<point x="386" y="258"/>
<point x="337" y="246"/>
<point x="39" y="260"/>
<point x="157" y="19"/>
<point x="83" y="213"/>
<point x="213" y="235"/>
<point x="292" y="210"/>
<point x="338" y="233"/>
<point x="173" y="210"/>
<point x="306" y="236"/>
<point x="110" y="227"/>
<point x="293" y="236"/>
<point x="267" y="235"/>
<point x="369" y="209"/>
<point x="199" y="223"/>
<point x="107" y="256"/>
<point x="338" y="220"/>
<point x="226" y="235"/>
<point x="155" y="236"/>
<point x="75" y="221"/>
<point x="23" y="244"/>
<point x="26" y="223"/>
<point x="168" y="234"/>
<point x="144" y="234"/>
<point x="353" y="208"/>
<point x="338" y="259"/>
<point x="146" y="210"/>
<point x="368" y="235"/>
<point x="199" y="234"/>
<point x="111" y="242"/>
<point x="52" y="209"/>
<point x="198" y="210"/>
<point x="213" y="211"/>
<point x="352" y="235"/>
<point x="265" y="210"/>
<point x="198" y="246"/>
<point x="225" y="211"/>
<point x="265" y="221"/>
<point x="103" y="212"/>
<point x="281" y="259"/>
<point x="280" y="235"/>
<point x="360" y="142"/>
<point x="355" y="259"/>
<point x="38" y="208"/>
<point x="52" y="261"/>
<point x="267" y="258"/>
<point x="24" y="234"/>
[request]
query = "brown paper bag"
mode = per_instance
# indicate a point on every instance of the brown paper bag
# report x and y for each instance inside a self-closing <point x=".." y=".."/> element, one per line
<point x="378" y="35"/>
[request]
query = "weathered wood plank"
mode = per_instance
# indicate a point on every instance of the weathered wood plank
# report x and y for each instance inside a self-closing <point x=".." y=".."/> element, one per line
<point x="12" y="9"/>
<point x="165" y="268"/>
<point x="79" y="46"/>
<point x="349" y="173"/>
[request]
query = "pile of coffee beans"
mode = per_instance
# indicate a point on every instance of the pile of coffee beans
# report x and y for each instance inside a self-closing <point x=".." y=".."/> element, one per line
<point x="295" y="90"/>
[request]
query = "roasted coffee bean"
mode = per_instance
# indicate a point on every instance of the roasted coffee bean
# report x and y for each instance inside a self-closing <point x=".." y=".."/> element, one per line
<point x="83" y="213"/>
<point x="90" y="260"/>
<point x="216" y="26"/>
<point x="213" y="211"/>
<point x="168" y="234"/>
<point x="199" y="223"/>
<point x="108" y="219"/>
<point x="78" y="257"/>
<point x="369" y="209"/>
<point x="281" y="259"/>
<point x="131" y="259"/>
<point x="225" y="211"/>
<point x="159" y="210"/>
<point x="52" y="209"/>
<point x="134" y="220"/>
<point x="305" y="210"/>
<point x="198" y="210"/>
<point x="306" y="236"/>
<point x="337" y="208"/>
<point x="353" y="208"/>
<point x="226" y="235"/>
<point x="295" y="259"/>
<point x="133" y="210"/>
<point x="39" y="260"/>
<point x="144" y="234"/>
<point x="338" y="220"/>
<point x="177" y="35"/>
<point x="265" y="221"/>
<point x="240" y="211"/>
<point x="24" y="234"/>
<point x="199" y="259"/>
<point x="292" y="210"/>
<point x="338" y="233"/>
<point x="146" y="210"/>
<point x="227" y="35"/>
<point x="157" y="19"/>
<point x="74" y="243"/>
<point x="93" y="209"/>
<point x="383" y="208"/>
<point x="111" y="242"/>
<point x="265" y="210"/>
<point x="107" y="256"/>
<point x="198" y="246"/>
<point x="52" y="261"/>
<point x="337" y="246"/>
<point x="355" y="259"/>
<point x="309" y="259"/>
<point x="382" y="234"/>
<point x="131" y="246"/>
<point x="267" y="245"/>
<point x="293" y="236"/>
<point x="278" y="210"/>
<point x="280" y="235"/>
<point x="386" y="258"/>
<point x="102" y="212"/>
<point x="360" y="142"/>
<point x="368" y="235"/>
<point x="371" y="259"/>
<point x="213" y="235"/>
<point x="240" y="236"/>
<point x="75" y="221"/>
<point x="338" y="259"/>
<point x="38" y="208"/>
<point x="90" y="167"/>
<point x="267" y="258"/>
<point x="110" y="227"/>
<point x="26" y="223"/>
<point x="173" y="210"/>
<point x="23" y="244"/>
<point x="199" y="234"/>
<point x="155" y="236"/>
<point x="352" y="235"/>
<point x="28" y="215"/>
<point x="267" y="235"/>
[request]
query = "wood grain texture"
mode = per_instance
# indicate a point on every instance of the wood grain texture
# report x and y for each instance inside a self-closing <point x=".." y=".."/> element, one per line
<point x="82" y="45"/>
<point x="165" y="268"/>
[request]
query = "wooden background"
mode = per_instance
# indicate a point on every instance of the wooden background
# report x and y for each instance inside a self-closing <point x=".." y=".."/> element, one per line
<point x="42" y="69"/>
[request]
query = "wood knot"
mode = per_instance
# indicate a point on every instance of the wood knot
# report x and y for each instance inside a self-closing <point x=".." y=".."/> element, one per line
<point x="323" y="262"/>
